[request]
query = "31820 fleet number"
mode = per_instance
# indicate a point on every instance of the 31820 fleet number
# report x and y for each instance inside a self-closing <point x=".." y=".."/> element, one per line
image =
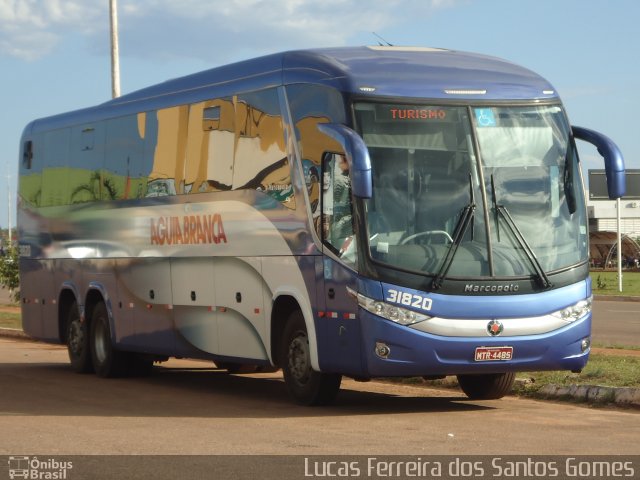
<point x="409" y="299"/>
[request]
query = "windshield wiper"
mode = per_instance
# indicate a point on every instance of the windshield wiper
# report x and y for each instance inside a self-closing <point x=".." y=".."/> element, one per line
<point x="458" y="234"/>
<point x="543" y="280"/>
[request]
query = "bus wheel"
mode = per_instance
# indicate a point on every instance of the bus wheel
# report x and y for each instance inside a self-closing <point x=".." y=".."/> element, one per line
<point x="107" y="361"/>
<point x="487" y="386"/>
<point x="78" y="342"/>
<point x="306" y="386"/>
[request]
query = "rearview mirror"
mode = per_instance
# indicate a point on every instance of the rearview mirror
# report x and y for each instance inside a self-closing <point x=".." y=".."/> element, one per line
<point x="613" y="160"/>
<point x="357" y="157"/>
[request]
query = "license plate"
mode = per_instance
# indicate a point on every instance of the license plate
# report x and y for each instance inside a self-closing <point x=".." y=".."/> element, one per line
<point x="492" y="354"/>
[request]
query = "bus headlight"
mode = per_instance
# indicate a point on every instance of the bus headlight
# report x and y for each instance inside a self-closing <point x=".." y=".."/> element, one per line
<point x="391" y="312"/>
<point x="574" y="312"/>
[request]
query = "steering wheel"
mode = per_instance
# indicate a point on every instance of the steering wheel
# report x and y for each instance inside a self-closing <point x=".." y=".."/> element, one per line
<point x="426" y="233"/>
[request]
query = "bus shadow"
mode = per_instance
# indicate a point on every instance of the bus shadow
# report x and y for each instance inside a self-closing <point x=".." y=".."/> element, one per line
<point x="53" y="389"/>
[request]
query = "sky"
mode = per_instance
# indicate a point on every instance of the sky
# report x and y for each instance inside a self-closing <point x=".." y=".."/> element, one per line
<point x="55" y="54"/>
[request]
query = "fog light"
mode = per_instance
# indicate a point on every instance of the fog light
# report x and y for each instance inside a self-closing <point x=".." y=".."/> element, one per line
<point x="585" y="344"/>
<point x="382" y="350"/>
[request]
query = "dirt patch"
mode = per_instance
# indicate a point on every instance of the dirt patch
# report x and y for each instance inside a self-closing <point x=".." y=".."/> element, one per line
<point x="618" y="352"/>
<point x="9" y="309"/>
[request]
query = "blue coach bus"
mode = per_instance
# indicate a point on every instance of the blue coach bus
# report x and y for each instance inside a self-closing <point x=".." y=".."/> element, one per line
<point x="363" y="212"/>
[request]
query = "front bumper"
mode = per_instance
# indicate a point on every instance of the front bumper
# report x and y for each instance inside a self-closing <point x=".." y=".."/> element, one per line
<point x="415" y="353"/>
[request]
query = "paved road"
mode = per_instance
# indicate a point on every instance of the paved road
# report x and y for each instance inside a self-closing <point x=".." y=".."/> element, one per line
<point x="616" y="322"/>
<point x="187" y="408"/>
<point x="4" y="296"/>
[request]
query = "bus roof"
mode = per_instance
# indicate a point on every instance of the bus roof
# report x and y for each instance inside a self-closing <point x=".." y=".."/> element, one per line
<point x="389" y="71"/>
<point x="412" y="72"/>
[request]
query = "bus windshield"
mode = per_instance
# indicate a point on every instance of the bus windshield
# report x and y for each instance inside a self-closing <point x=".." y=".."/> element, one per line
<point x="473" y="192"/>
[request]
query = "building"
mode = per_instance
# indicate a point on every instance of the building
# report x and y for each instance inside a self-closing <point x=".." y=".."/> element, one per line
<point x="603" y="223"/>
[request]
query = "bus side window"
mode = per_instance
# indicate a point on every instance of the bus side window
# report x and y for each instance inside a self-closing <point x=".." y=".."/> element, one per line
<point x="210" y="146"/>
<point x="260" y="160"/>
<point x="27" y="156"/>
<point x="337" y="218"/>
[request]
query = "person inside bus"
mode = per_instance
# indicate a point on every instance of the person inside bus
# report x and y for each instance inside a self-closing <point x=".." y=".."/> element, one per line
<point x="342" y="222"/>
<point x="337" y="202"/>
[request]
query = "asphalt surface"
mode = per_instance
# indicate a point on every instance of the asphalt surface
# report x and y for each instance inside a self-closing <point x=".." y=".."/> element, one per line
<point x="616" y="322"/>
<point x="4" y="297"/>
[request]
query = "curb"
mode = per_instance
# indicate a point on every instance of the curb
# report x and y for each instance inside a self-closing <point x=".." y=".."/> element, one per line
<point x="14" y="333"/>
<point x="615" y="298"/>
<point x="622" y="396"/>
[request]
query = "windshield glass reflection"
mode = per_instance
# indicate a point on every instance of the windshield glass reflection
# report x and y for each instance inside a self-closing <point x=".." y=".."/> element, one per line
<point x="427" y="210"/>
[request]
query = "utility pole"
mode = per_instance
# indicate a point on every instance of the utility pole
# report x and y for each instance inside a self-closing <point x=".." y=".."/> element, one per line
<point x="9" y="204"/>
<point x="619" y="239"/>
<point x="115" y="53"/>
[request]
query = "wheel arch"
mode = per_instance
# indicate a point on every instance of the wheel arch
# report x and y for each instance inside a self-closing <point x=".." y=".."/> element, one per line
<point x="67" y="296"/>
<point x="284" y="305"/>
<point x="97" y="293"/>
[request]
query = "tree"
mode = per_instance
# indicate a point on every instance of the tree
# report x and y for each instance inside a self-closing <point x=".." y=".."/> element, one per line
<point x="97" y="189"/>
<point x="9" y="272"/>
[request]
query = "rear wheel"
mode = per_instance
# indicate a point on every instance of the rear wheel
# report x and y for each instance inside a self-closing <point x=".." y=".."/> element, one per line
<point x="305" y="385"/>
<point x="487" y="386"/>
<point x="77" y="340"/>
<point x="107" y="361"/>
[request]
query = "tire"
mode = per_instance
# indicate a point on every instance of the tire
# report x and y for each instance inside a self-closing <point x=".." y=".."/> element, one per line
<point x="305" y="386"/>
<point x="77" y="339"/>
<point x="107" y="361"/>
<point x="487" y="386"/>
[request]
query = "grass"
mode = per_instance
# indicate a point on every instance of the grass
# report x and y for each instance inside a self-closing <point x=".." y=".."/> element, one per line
<point x="10" y="320"/>
<point x="602" y="370"/>
<point x="606" y="283"/>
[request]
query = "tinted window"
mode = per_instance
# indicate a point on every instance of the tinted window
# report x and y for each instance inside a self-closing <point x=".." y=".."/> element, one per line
<point x="210" y="146"/>
<point x="55" y="181"/>
<point x="261" y="160"/>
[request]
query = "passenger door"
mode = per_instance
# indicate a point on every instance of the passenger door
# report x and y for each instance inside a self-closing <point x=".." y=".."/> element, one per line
<point x="338" y="315"/>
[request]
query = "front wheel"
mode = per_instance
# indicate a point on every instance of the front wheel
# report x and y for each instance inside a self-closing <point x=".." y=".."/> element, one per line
<point x="305" y="385"/>
<point x="487" y="386"/>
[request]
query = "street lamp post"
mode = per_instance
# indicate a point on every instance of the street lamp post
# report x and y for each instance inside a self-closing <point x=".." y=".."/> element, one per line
<point x="619" y="240"/>
<point x="115" y="53"/>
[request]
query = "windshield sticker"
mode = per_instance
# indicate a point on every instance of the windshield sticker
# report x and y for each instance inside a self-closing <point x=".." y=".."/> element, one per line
<point x="485" y="117"/>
